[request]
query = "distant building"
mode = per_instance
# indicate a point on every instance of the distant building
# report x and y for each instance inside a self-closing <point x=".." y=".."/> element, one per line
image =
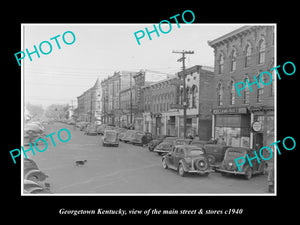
<point x="239" y="55"/>
<point x="89" y="104"/>
<point x="113" y="88"/>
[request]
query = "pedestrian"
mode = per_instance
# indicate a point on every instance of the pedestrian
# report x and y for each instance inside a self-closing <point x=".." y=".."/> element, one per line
<point x="223" y="142"/>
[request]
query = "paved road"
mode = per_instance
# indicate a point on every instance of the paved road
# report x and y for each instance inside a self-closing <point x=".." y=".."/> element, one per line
<point x="125" y="169"/>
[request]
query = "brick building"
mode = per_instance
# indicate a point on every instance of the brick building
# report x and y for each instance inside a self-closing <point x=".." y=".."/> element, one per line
<point x="199" y="92"/>
<point x="89" y="103"/>
<point x="239" y="55"/>
<point x="158" y="117"/>
<point x="121" y="97"/>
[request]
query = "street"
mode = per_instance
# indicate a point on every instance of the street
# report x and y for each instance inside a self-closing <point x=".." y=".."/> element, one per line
<point x="126" y="169"/>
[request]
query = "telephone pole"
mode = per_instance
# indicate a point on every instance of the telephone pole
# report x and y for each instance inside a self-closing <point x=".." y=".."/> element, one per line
<point x="182" y="59"/>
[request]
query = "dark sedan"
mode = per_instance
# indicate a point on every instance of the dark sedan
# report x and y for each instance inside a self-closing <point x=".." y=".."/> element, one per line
<point x="229" y="165"/>
<point x="156" y="140"/>
<point x="187" y="159"/>
<point x="141" y="138"/>
<point x="165" y="146"/>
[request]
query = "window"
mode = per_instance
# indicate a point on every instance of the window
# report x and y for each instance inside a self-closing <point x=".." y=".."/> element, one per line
<point x="221" y="63"/>
<point x="181" y="97"/>
<point x="248" y="51"/>
<point x="260" y="91"/>
<point x="273" y="82"/>
<point x="233" y="60"/>
<point x="232" y="92"/>
<point x="261" y="50"/>
<point x="194" y="92"/>
<point x="187" y="91"/>
<point x="246" y="93"/>
<point x="220" y="94"/>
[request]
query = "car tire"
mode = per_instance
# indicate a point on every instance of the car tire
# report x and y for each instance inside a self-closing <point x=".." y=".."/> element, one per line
<point x="103" y="144"/>
<point x="181" y="170"/>
<point x="164" y="164"/>
<point x="248" y="173"/>
<point x="159" y="153"/>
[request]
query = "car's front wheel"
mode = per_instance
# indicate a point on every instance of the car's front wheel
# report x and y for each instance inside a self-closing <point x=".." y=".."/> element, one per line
<point x="248" y="173"/>
<point x="164" y="164"/>
<point x="181" y="170"/>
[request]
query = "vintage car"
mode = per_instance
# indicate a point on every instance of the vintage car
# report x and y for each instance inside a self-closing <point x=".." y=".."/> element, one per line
<point x="187" y="159"/>
<point x="91" y="130"/>
<point x="156" y="140"/>
<point x="110" y="137"/>
<point x="141" y="138"/>
<point x="200" y="143"/>
<point x="127" y="136"/>
<point x="32" y="132"/>
<point x="229" y="165"/>
<point x="165" y="146"/>
<point x="215" y="153"/>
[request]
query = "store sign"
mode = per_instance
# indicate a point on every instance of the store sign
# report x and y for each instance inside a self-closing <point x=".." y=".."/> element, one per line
<point x="230" y="110"/>
<point x="176" y="106"/>
<point x="256" y="126"/>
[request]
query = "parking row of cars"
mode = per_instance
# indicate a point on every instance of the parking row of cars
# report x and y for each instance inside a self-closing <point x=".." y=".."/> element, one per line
<point x="202" y="157"/>
<point x="184" y="155"/>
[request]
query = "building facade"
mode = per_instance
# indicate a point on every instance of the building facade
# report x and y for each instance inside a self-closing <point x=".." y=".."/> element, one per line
<point x="120" y="97"/>
<point x="199" y="92"/>
<point x="158" y="117"/>
<point x="89" y="104"/>
<point x="246" y="120"/>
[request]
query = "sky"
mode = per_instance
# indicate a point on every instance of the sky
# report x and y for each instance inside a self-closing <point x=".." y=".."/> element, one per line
<point x="100" y="50"/>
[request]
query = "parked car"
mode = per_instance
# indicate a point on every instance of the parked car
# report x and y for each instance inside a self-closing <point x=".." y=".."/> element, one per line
<point x="91" y="130"/>
<point x="141" y="138"/>
<point x="165" y="146"/>
<point x="229" y="165"/>
<point x="200" y="143"/>
<point x="110" y="137"/>
<point x="122" y="133"/>
<point x="182" y="141"/>
<point x="156" y="140"/>
<point x="215" y="153"/>
<point x="32" y="132"/>
<point x="187" y="159"/>
<point x="127" y="136"/>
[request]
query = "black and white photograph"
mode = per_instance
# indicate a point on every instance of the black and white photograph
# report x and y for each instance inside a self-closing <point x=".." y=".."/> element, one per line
<point x="108" y="110"/>
<point x="135" y="113"/>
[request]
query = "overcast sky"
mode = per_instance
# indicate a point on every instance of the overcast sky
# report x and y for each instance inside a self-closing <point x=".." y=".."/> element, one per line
<point x="102" y="49"/>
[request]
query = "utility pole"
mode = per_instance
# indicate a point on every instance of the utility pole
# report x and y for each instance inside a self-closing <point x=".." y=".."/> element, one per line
<point x="130" y="99"/>
<point x="182" y="59"/>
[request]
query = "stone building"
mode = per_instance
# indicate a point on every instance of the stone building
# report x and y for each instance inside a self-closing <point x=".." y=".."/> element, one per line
<point x="239" y="55"/>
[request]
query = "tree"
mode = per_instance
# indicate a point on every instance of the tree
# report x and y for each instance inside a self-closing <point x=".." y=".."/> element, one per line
<point x="56" y="111"/>
<point x="36" y="111"/>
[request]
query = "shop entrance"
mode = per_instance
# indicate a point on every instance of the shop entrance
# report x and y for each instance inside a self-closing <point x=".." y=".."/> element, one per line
<point x="258" y="141"/>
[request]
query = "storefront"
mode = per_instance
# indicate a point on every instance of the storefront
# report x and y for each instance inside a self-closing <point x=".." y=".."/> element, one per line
<point x="262" y="124"/>
<point x="232" y="126"/>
